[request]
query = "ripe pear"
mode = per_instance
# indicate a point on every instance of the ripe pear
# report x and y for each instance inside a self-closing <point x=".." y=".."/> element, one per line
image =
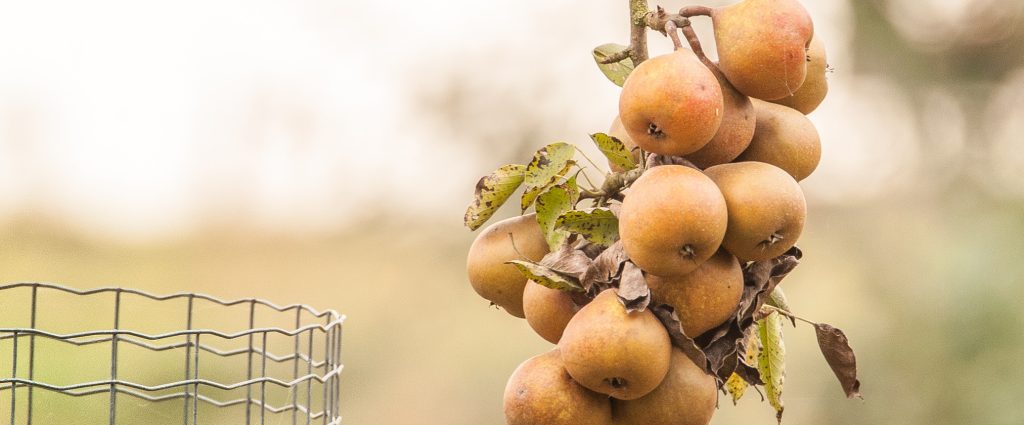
<point x="703" y="298"/>
<point x="815" y="87"/>
<point x="762" y="46"/>
<point x="734" y="133"/>
<point x="548" y="310"/>
<point x="671" y="104"/>
<point x="541" y="392"/>
<point x="784" y="138"/>
<point x="687" y="396"/>
<point x="615" y="352"/>
<point x="619" y="132"/>
<point x="766" y="209"/>
<point x="673" y="218"/>
<point x="500" y="283"/>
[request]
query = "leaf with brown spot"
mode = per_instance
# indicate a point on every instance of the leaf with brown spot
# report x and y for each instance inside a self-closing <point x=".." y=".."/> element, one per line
<point x="546" y="276"/>
<point x="616" y="72"/>
<point x="836" y="349"/>
<point x="633" y="291"/>
<point x="736" y="386"/>
<point x="492" y="191"/>
<point x="549" y="163"/>
<point x="597" y="225"/>
<point x="614" y="150"/>
<point x="550" y="206"/>
<point x="771" y="362"/>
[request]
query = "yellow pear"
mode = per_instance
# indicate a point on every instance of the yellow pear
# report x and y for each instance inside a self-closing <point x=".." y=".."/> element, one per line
<point x="673" y="218"/>
<point x="766" y="209"/>
<point x="541" y="392"/>
<point x="703" y="298"/>
<point x="612" y="351"/>
<point x="687" y="396"/>
<point x="784" y="138"/>
<point x="547" y="310"/>
<point x="762" y="46"/>
<point x="815" y="87"/>
<point x="671" y="104"/>
<point x="500" y="283"/>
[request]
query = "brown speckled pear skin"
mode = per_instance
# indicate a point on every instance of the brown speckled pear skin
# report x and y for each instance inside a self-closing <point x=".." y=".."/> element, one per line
<point x="673" y="218"/>
<point x="766" y="209"/>
<point x="703" y="298"/>
<point x="671" y="104"/>
<point x="497" y="282"/>
<point x="610" y="351"/>
<point x="762" y="46"/>
<point x="547" y="310"/>
<point x="687" y="396"/>
<point x="617" y="131"/>
<point x="815" y="86"/>
<point x="540" y="391"/>
<point x="784" y="138"/>
<point x="733" y="134"/>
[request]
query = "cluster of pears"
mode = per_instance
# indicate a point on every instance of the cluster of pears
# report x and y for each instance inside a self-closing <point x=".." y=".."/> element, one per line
<point x="739" y="128"/>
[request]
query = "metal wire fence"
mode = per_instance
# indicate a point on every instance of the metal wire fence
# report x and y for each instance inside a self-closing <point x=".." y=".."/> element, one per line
<point x="109" y="345"/>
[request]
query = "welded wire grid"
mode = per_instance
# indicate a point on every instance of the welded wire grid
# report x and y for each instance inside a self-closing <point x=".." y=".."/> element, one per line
<point x="309" y="388"/>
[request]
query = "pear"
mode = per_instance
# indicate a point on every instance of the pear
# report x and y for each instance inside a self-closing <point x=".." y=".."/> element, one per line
<point x="735" y="132"/>
<point x="541" y="392"/>
<point x="687" y="396"/>
<point x="815" y="87"/>
<point x="612" y="351"/>
<point x="547" y="310"/>
<point x="617" y="131"/>
<point x="703" y="298"/>
<point x="672" y="219"/>
<point x="671" y="104"/>
<point x="784" y="138"/>
<point x="762" y="46"/>
<point x="495" y="281"/>
<point x="766" y="209"/>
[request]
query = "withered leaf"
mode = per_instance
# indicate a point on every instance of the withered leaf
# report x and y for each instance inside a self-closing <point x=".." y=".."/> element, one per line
<point x="633" y="291"/>
<point x="597" y="225"/>
<point x="771" y="362"/>
<point x="549" y="163"/>
<point x="615" y="72"/>
<point x="836" y="349"/>
<point x="546" y="276"/>
<point x="491" y="192"/>
<point x="614" y="150"/>
<point x="668" y="317"/>
<point x="606" y="267"/>
<point x="550" y="206"/>
<point x="568" y="261"/>
<point x="736" y="386"/>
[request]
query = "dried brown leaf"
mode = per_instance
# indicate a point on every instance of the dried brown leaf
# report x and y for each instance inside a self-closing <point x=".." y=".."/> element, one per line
<point x="836" y="349"/>
<point x="606" y="267"/>
<point x="668" y="317"/>
<point x="567" y="260"/>
<point x="633" y="291"/>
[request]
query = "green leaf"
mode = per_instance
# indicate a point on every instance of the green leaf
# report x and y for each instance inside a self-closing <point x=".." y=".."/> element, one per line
<point x="572" y="188"/>
<point x="771" y="362"/>
<point x="777" y="298"/>
<point x="548" y="164"/>
<point x="614" y="150"/>
<point x="598" y="225"/>
<point x="546" y="276"/>
<point x="491" y="192"/>
<point x="551" y="205"/>
<point x="618" y="71"/>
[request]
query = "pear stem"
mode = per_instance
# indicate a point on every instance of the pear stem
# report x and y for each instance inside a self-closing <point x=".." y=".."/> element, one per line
<point x="691" y="11"/>
<point x="670" y="28"/>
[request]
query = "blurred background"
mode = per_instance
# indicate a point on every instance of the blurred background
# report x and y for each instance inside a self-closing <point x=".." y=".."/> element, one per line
<point x="323" y="152"/>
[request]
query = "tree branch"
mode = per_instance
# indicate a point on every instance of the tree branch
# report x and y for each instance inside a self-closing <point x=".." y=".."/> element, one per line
<point x="638" y="31"/>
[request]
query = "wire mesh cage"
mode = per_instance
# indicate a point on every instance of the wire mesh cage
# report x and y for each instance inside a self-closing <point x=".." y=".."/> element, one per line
<point x="124" y="356"/>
